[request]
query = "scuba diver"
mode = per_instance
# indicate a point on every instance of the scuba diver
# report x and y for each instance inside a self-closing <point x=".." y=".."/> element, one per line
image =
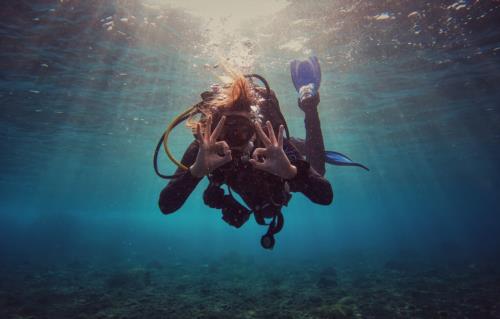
<point x="239" y="141"/>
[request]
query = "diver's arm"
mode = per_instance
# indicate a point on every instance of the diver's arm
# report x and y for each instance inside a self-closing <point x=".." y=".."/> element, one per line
<point x="307" y="180"/>
<point x="315" y="146"/>
<point x="173" y="196"/>
<point x="281" y="158"/>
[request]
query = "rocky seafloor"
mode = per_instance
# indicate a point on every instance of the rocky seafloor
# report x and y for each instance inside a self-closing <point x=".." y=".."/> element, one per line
<point x="233" y="286"/>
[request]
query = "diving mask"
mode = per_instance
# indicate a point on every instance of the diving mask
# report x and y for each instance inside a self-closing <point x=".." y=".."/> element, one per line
<point x="237" y="130"/>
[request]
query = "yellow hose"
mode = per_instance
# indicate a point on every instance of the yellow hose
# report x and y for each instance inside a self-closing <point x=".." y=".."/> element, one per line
<point x="170" y="127"/>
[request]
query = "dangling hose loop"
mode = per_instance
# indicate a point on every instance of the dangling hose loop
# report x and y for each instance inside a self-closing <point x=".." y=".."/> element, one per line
<point x="276" y="224"/>
<point x="164" y="139"/>
<point x="182" y="117"/>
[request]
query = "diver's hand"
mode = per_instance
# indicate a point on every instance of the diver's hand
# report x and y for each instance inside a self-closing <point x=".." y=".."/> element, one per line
<point x="211" y="154"/>
<point x="274" y="158"/>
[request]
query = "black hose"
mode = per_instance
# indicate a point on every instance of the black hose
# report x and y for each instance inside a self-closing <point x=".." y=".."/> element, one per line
<point x="263" y="80"/>
<point x="268" y="98"/>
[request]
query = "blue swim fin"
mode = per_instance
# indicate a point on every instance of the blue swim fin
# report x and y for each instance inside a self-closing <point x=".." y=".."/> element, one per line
<point x="305" y="73"/>
<point x="337" y="158"/>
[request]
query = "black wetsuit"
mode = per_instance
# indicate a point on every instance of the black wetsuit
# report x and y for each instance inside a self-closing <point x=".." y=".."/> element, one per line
<point x="256" y="186"/>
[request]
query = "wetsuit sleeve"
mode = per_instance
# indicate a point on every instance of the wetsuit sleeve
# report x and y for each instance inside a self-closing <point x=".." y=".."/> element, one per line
<point x="173" y="196"/>
<point x="315" y="146"/>
<point x="307" y="181"/>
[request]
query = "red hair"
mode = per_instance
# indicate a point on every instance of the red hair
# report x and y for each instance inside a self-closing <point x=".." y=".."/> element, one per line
<point x="237" y="96"/>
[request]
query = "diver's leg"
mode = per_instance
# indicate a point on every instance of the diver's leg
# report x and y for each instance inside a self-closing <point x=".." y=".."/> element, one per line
<point x="315" y="147"/>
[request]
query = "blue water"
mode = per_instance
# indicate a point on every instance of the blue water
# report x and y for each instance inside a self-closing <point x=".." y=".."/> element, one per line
<point x="410" y="89"/>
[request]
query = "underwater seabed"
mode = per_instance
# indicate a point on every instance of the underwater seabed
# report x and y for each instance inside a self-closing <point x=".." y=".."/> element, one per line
<point x="238" y="286"/>
<point x="409" y="88"/>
